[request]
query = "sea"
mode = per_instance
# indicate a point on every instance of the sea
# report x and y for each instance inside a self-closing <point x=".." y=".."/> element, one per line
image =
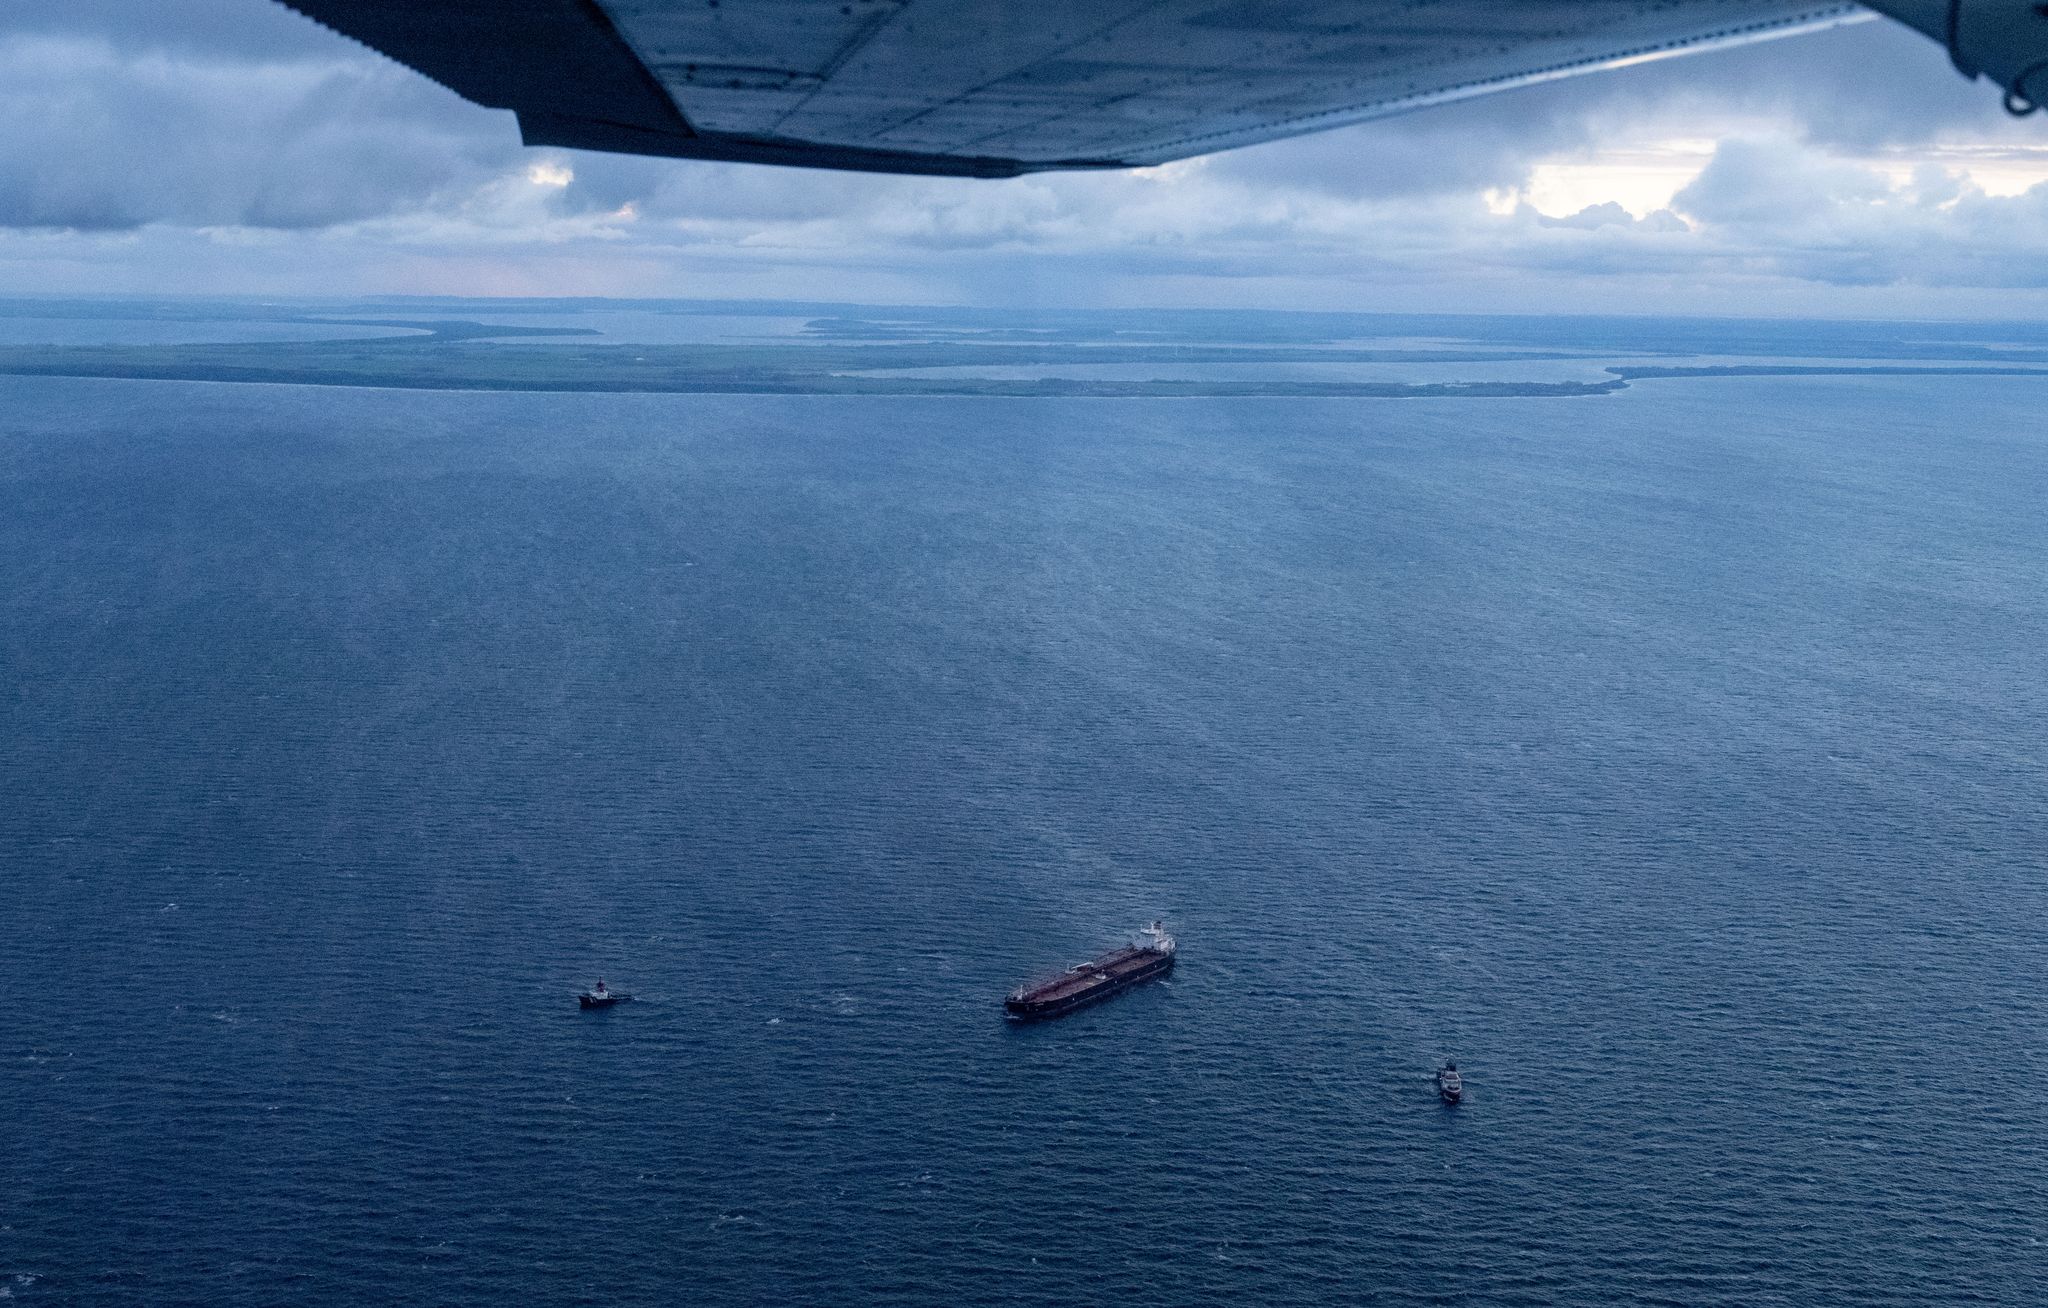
<point x="1675" y="760"/>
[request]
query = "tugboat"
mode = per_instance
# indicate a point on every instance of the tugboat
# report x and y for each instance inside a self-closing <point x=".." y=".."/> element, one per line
<point x="599" y="997"/>
<point x="1449" y="1084"/>
<point x="1095" y="980"/>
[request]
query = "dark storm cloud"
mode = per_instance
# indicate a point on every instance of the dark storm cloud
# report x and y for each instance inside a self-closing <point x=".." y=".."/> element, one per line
<point x="219" y="113"/>
<point x="1868" y="87"/>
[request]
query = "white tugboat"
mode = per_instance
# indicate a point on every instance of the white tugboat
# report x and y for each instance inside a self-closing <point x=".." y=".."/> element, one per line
<point x="599" y="997"/>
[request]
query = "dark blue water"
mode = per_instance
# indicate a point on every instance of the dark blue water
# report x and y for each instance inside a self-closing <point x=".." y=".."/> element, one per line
<point x="1673" y="759"/>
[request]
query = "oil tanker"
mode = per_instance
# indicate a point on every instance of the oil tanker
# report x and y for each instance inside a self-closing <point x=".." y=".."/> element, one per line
<point x="1095" y="980"/>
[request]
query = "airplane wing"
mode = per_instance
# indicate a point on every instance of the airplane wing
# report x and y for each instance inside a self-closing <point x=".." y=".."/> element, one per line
<point x="994" y="88"/>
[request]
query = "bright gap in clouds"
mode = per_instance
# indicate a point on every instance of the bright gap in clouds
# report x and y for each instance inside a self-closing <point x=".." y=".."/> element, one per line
<point x="1644" y="178"/>
<point x="1641" y="179"/>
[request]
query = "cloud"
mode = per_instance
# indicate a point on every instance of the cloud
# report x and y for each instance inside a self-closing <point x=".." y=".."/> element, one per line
<point x="1471" y="146"/>
<point x="1609" y="213"/>
<point x="212" y="30"/>
<point x="1870" y="87"/>
<point x="1776" y="184"/>
<point x="104" y="140"/>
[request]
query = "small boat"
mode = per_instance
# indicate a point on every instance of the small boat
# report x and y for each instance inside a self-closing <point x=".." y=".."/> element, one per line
<point x="599" y="997"/>
<point x="1449" y="1084"/>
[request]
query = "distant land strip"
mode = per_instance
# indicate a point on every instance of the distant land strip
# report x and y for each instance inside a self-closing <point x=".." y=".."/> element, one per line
<point x="1644" y="373"/>
<point x="456" y="355"/>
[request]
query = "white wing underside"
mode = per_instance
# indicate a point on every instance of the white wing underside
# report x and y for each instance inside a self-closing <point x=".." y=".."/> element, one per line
<point x="996" y="87"/>
<point x="1137" y="82"/>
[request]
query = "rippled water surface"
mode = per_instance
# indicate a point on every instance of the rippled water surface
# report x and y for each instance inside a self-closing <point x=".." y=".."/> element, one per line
<point x="1673" y="759"/>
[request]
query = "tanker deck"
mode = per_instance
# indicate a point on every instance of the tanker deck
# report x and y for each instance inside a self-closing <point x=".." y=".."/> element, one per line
<point x="1095" y="980"/>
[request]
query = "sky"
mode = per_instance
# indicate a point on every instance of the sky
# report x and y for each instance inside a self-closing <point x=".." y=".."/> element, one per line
<point x="231" y="146"/>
